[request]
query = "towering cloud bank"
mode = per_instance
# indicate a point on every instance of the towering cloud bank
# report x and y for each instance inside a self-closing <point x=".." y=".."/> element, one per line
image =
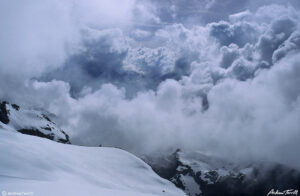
<point x="149" y="76"/>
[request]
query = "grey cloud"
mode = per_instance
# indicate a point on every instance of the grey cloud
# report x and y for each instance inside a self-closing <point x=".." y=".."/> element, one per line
<point x="206" y="11"/>
<point x="280" y="30"/>
<point x="242" y="69"/>
<point x="177" y="83"/>
<point x="229" y="54"/>
<point x="291" y="45"/>
<point x="108" y="56"/>
<point x="100" y="57"/>
<point x="239" y="34"/>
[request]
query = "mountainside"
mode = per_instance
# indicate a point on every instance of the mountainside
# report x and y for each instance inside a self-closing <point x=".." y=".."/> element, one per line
<point x="47" y="168"/>
<point x="30" y="122"/>
<point x="201" y="175"/>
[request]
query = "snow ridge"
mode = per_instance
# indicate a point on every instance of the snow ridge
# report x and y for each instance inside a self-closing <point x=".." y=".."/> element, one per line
<point x="31" y="122"/>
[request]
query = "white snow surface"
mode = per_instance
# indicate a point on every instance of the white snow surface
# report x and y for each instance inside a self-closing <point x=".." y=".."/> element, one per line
<point x="43" y="167"/>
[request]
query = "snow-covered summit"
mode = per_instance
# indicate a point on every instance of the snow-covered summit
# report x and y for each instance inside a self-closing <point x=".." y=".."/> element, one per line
<point x="31" y="122"/>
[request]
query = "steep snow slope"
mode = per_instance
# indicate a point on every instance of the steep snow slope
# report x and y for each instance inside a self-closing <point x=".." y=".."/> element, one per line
<point x="30" y="122"/>
<point x="47" y="168"/>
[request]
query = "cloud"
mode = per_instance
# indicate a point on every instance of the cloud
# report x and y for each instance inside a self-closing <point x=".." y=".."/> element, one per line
<point x="239" y="34"/>
<point x="280" y="30"/>
<point x="99" y="14"/>
<point x="218" y="80"/>
<point x="260" y="115"/>
<point x="99" y="58"/>
<point x="291" y="45"/>
<point x="31" y="40"/>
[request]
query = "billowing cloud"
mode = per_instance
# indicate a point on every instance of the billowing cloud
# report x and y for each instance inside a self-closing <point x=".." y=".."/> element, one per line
<point x="157" y="76"/>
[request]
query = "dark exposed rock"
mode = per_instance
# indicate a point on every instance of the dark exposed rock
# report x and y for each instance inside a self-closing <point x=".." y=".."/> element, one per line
<point x="47" y="118"/>
<point x="51" y="136"/>
<point x="65" y="141"/>
<point x="15" y="106"/>
<point x="36" y="132"/>
<point x="4" y="113"/>
<point x="47" y="128"/>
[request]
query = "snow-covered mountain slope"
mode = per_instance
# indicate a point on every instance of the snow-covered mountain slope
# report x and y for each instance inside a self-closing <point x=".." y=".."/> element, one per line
<point x="31" y="122"/>
<point x="201" y="175"/>
<point x="47" y="168"/>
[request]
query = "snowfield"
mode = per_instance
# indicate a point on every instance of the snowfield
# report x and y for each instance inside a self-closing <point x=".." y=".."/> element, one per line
<point x="40" y="166"/>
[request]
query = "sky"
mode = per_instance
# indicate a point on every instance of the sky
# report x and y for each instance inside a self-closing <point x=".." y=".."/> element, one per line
<point x="221" y="77"/>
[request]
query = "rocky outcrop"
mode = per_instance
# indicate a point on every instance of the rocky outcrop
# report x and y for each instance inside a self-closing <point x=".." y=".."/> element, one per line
<point x="31" y="122"/>
<point x="4" y="113"/>
<point x="201" y="175"/>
